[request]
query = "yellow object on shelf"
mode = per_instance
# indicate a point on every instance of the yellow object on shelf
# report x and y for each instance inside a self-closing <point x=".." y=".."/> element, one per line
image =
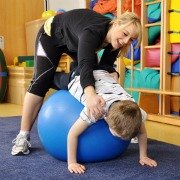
<point x="175" y="4"/>
<point x="127" y="61"/>
<point x="174" y="22"/>
<point x="49" y="13"/>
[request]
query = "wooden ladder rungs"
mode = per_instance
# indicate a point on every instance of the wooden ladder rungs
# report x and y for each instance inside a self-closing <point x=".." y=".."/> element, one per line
<point x="153" y="24"/>
<point x="154" y="2"/>
<point x="152" y="47"/>
<point x="155" y="91"/>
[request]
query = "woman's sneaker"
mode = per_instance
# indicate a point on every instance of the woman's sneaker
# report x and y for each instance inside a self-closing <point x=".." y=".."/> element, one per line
<point x="21" y="145"/>
<point x="134" y="140"/>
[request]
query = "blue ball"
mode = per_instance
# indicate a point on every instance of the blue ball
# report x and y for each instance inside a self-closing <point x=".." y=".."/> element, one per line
<point x="56" y="117"/>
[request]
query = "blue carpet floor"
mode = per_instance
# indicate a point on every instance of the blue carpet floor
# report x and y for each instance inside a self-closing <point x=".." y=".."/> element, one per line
<point x="41" y="166"/>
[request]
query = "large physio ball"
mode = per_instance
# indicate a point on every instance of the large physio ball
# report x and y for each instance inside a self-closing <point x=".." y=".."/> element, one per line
<point x="56" y="117"/>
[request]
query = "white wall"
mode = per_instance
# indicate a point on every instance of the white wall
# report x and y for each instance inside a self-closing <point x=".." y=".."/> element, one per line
<point x="65" y="4"/>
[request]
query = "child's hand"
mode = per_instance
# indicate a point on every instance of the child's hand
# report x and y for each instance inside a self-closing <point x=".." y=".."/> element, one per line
<point x="76" y="168"/>
<point x="147" y="161"/>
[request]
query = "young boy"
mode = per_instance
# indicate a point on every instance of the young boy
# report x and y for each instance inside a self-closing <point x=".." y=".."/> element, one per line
<point x="124" y="117"/>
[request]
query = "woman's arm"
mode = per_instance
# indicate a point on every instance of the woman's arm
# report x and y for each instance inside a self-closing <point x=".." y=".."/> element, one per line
<point x="78" y="128"/>
<point x="94" y="103"/>
<point x="142" y="138"/>
<point x="89" y="41"/>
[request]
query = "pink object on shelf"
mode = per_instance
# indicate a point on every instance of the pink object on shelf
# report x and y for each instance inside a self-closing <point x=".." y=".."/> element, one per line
<point x="175" y="49"/>
<point x="152" y="57"/>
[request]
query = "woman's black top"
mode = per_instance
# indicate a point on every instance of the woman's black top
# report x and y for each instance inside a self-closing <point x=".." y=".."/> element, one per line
<point x="83" y="31"/>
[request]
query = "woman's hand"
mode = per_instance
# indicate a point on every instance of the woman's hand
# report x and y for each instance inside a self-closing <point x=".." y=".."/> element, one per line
<point x="76" y="168"/>
<point x="147" y="161"/>
<point x="95" y="104"/>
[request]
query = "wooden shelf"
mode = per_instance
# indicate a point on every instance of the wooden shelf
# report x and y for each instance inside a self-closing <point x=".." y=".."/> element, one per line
<point x="155" y="68"/>
<point x="134" y="68"/>
<point x="152" y="47"/>
<point x="19" y="79"/>
<point x="158" y="103"/>
<point x="153" y="24"/>
<point x="167" y="119"/>
<point x="154" y="2"/>
<point x="154" y="91"/>
<point x="139" y="69"/>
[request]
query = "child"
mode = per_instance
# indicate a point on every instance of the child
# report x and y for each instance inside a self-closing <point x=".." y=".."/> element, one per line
<point x="124" y="117"/>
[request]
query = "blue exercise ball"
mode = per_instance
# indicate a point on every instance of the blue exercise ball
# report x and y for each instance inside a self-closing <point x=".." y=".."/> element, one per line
<point x="56" y="117"/>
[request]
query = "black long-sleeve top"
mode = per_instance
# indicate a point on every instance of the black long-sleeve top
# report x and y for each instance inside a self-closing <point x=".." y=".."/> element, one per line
<point x="84" y="31"/>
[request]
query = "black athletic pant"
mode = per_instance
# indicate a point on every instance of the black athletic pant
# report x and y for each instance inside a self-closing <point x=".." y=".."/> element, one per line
<point x="47" y="57"/>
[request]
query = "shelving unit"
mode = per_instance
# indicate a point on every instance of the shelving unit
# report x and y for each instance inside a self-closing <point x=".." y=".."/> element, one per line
<point x="161" y="124"/>
<point x="20" y="78"/>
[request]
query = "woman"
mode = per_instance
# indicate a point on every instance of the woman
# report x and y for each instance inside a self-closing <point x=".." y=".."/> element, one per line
<point x="79" y="33"/>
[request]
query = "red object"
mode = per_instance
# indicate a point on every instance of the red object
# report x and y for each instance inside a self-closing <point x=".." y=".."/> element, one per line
<point x="106" y="6"/>
<point x="127" y="6"/>
<point x="152" y="57"/>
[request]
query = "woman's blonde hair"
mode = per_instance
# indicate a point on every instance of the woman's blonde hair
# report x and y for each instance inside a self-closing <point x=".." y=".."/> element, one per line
<point x="125" y="118"/>
<point x="125" y="20"/>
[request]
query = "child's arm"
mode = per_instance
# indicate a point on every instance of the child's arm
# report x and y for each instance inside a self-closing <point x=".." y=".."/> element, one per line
<point x="142" y="138"/>
<point x="115" y="76"/>
<point x="78" y="128"/>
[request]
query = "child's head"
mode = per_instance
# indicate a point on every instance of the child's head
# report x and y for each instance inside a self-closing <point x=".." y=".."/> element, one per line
<point x="124" y="119"/>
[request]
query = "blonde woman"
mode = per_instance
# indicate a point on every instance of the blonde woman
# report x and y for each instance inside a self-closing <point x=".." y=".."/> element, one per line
<point x="79" y="33"/>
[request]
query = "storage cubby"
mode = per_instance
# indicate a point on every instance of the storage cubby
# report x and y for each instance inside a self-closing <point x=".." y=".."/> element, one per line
<point x="162" y="102"/>
<point x="19" y="79"/>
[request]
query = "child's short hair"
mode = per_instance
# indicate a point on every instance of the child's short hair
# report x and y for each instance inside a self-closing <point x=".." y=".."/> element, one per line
<point x="124" y="117"/>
